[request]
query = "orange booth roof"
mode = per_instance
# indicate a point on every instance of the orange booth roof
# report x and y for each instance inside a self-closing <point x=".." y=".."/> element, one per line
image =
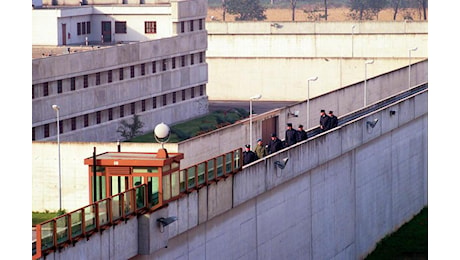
<point x="134" y="159"/>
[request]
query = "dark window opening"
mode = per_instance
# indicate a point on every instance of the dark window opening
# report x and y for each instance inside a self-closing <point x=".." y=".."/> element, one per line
<point x="72" y="84"/>
<point x="45" y="89"/>
<point x="59" y="86"/>
<point x="85" y="81"/>
<point x="121" y="75"/>
<point x="46" y="130"/>
<point x="98" y="78"/>
<point x="132" y="71"/>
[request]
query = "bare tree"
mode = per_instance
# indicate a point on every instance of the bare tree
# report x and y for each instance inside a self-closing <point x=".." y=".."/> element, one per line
<point x="293" y="5"/>
<point x="325" y="9"/>
<point x="395" y="4"/>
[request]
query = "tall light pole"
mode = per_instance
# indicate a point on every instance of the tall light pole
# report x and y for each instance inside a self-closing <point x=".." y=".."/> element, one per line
<point x="308" y="99"/>
<point x="57" y="108"/>
<point x="411" y="50"/>
<point x="258" y="96"/>
<point x="352" y="40"/>
<point x="365" y="80"/>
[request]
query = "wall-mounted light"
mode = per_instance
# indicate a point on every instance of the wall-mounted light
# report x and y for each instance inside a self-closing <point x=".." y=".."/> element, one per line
<point x="281" y="165"/>
<point x="372" y="123"/>
<point x="163" y="222"/>
<point x="293" y="114"/>
<point x="392" y="112"/>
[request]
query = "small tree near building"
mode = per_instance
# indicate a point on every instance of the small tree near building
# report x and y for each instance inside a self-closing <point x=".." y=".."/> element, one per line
<point x="129" y="131"/>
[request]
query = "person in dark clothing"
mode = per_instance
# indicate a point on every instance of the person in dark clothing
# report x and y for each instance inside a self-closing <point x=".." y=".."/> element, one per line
<point x="275" y="144"/>
<point x="301" y="134"/>
<point x="248" y="155"/>
<point x="324" y="121"/>
<point x="333" y="121"/>
<point x="291" y="135"/>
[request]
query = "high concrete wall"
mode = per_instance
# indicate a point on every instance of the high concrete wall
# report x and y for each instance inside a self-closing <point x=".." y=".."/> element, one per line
<point x="339" y="194"/>
<point x="246" y="58"/>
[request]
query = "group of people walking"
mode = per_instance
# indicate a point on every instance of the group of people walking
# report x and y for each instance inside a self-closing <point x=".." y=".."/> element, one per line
<point x="292" y="136"/>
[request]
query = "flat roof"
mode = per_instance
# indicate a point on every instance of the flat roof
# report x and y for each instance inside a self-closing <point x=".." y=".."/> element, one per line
<point x="133" y="159"/>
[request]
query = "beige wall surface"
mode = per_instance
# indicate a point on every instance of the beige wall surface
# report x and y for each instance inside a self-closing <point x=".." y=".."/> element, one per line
<point x="246" y="57"/>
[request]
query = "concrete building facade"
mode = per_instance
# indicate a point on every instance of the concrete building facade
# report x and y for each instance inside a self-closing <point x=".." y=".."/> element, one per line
<point x="161" y="72"/>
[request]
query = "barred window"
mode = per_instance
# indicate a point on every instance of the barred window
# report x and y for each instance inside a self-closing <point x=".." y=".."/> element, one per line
<point x="47" y="130"/>
<point x="174" y="97"/>
<point x="109" y="76"/>
<point x="121" y="73"/>
<point x="154" y="67"/>
<point x="143" y="105"/>
<point x="98" y="78"/>
<point x="45" y="89"/>
<point x="98" y="117"/>
<point x="183" y="94"/>
<point x="143" y="69"/>
<point x="122" y="111"/>
<point x="164" y="100"/>
<point x="132" y="71"/>
<point x="73" y="123"/>
<point x="154" y="102"/>
<point x="86" y="120"/>
<point x="120" y="27"/>
<point x="150" y="27"/>
<point x="110" y="114"/>
<point x="72" y="84"/>
<point x="133" y="108"/>
<point x="59" y="86"/>
<point x="85" y="81"/>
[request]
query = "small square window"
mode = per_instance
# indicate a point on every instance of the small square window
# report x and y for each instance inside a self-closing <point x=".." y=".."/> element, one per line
<point x="120" y="27"/>
<point x="150" y="27"/>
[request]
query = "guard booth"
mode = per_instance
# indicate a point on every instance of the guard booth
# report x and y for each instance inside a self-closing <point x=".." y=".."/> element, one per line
<point x="112" y="173"/>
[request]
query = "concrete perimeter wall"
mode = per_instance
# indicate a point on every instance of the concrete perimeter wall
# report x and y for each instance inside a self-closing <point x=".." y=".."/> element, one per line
<point x="340" y="193"/>
<point x="246" y="58"/>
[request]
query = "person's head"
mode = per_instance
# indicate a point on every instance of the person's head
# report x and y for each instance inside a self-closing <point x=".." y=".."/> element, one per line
<point x="323" y="112"/>
<point x="259" y="141"/>
<point x="331" y="112"/>
<point x="247" y="147"/>
<point x="289" y="125"/>
<point x="273" y="136"/>
<point x="300" y="127"/>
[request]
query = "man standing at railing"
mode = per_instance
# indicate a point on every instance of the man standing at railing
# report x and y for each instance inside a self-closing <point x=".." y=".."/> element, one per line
<point x="291" y="135"/>
<point x="248" y="155"/>
<point x="324" y="121"/>
<point x="275" y="144"/>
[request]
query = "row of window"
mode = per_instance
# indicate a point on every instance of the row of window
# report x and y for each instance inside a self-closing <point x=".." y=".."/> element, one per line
<point x="57" y="87"/>
<point x="84" y="28"/>
<point x="120" y="111"/>
<point x="151" y="26"/>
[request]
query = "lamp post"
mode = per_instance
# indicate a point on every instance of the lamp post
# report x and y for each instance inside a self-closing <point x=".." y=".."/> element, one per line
<point x="258" y="96"/>
<point x="308" y="99"/>
<point x="352" y="40"/>
<point x="57" y="108"/>
<point x="411" y="50"/>
<point x="365" y="79"/>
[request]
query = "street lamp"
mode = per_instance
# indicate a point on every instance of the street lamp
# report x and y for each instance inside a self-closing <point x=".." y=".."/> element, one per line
<point x="308" y="99"/>
<point x="411" y="50"/>
<point x="352" y="40"/>
<point x="365" y="79"/>
<point x="57" y="108"/>
<point x="258" y="96"/>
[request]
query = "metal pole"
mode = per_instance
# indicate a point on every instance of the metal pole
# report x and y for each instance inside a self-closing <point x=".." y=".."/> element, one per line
<point x="308" y="104"/>
<point x="411" y="50"/>
<point x="59" y="159"/>
<point x="250" y="121"/>
<point x="352" y="39"/>
<point x="94" y="175"/>
<point x="308" y="99"/>
<point x="365" y="80"/>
